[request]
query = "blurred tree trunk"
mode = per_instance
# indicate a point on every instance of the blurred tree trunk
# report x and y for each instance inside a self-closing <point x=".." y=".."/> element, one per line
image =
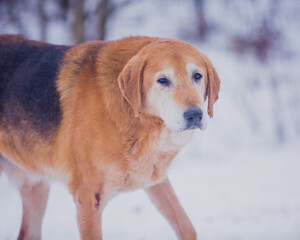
<point x="103" y="12"/>
<point x="64" y="6"/>
<point x="43" y="20"/>
<point x="13" y="7"/>
<point x="201" y="21"/>
<point x="78" y="24"/>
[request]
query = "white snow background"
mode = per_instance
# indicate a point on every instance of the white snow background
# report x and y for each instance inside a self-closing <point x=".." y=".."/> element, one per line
<point x="238" y="180"/>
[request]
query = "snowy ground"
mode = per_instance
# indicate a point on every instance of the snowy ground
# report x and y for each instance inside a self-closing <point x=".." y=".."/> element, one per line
<point x="236" y="180"/>
<point x="228" y="196"/>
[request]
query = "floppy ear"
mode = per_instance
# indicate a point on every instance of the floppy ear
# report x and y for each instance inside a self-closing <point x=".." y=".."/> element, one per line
<point x="131" y="81"/>
<point x="212" y="86"/>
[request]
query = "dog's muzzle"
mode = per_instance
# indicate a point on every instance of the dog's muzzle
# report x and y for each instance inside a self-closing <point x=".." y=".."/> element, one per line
<point x="193" y="118"/>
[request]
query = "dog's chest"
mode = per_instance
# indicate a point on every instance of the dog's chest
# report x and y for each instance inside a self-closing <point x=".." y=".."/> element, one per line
<point x="149" y="165"/>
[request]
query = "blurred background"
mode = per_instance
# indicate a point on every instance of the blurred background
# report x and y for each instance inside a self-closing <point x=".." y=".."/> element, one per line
<point x="239" y="179"/>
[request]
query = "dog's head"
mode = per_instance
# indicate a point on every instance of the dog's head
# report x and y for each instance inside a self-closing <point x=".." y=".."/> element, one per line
<point x="171" y="80"/>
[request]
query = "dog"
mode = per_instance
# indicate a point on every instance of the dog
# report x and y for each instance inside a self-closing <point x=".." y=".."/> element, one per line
<point x="102" y="117"/>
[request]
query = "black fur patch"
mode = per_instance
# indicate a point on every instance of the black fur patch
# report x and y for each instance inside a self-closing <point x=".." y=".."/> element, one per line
<point x="28" y="95"/>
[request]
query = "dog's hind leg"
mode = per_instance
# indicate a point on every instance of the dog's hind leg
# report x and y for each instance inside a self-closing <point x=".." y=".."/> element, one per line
<point x="34" y="199"/>
<point x="34" y="193"/>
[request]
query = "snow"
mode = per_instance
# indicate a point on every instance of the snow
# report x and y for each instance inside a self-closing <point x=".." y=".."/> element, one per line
<point x="239" y="179"/>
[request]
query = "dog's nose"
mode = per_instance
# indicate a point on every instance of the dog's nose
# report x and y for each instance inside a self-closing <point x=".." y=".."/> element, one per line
<point x="193" y="116"/>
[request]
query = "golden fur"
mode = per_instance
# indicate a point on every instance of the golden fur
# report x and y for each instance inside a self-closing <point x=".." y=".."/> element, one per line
<point x="108" y="140"/>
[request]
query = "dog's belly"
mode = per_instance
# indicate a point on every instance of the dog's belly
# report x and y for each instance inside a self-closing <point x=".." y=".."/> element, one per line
<point x="17" y="175"/>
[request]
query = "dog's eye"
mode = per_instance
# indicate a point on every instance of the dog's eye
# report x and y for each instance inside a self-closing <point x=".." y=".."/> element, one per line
<point x="197" y="76"/>
<point x="163" y="81"/>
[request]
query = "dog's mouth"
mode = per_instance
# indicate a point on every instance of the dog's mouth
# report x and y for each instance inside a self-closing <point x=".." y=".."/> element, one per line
<point x="194" y="126"/>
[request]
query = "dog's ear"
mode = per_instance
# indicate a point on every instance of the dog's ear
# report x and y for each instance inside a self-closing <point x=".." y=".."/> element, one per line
<point x="212" y="86"/>
<point x="131" y="82"/>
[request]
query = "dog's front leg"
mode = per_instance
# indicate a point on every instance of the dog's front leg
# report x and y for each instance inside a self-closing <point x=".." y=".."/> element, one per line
<point x="89" y="206"/>
<point x="164" y="198"/>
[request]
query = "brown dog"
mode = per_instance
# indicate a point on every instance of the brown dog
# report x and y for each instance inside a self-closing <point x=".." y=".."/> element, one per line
<point x="102" y="117"/>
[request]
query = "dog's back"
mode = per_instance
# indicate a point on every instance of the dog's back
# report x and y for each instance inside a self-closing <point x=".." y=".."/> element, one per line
<point x="28" y="93"/>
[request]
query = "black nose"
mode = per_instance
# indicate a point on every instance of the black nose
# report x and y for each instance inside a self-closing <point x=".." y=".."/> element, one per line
<point x="193" y="116"/>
